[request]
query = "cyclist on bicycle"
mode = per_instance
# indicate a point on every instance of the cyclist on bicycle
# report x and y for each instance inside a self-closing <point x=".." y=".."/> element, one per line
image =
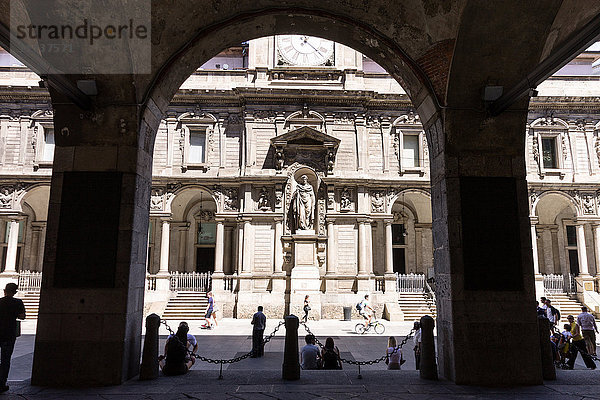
<point x="366" y="311"/>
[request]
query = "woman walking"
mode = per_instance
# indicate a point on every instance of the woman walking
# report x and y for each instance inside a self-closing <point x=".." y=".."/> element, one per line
<point x="306" y="309"/>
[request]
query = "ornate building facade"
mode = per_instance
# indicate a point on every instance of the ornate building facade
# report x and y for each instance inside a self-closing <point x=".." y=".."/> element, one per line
<point x="293" y="165"/>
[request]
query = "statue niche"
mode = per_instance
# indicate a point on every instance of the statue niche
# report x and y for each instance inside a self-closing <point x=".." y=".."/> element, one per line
<point x="302" y="206"/>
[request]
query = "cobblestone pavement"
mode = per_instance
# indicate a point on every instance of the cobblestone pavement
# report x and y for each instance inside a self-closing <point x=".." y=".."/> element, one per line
<point x="261" y="378"/>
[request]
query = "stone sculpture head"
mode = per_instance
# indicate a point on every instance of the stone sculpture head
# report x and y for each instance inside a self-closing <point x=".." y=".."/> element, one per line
<point x="304" y="179"/>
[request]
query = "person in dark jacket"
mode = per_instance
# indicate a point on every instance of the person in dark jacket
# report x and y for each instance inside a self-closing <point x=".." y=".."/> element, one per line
<point x="259" y="322"/>
<point x="10" y="310"/>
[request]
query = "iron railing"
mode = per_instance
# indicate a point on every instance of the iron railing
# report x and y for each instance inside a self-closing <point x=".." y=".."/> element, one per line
<point x="30" y="281"/>
<point x="380" y="285"/>
<point x="191" y="281"/>
<point x="554" y="283"/>
<point x="410" y="283"/>
<point x="151" y="282"/>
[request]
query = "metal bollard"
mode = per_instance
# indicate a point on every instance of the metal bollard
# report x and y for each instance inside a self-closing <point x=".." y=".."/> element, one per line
<point x="428" y="366"/>
<point x="149" y="368"/>
<point x="548" y="370"/>
<point x="291" y="361"/>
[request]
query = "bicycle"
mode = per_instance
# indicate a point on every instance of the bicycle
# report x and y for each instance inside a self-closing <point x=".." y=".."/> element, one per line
<point x="362" y="328"/>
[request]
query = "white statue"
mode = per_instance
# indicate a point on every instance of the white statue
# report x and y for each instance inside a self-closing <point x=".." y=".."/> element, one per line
<point x="303" y="205"/>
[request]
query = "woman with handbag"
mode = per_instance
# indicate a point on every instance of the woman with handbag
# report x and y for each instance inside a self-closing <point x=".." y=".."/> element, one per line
<point x="306" y="309"/>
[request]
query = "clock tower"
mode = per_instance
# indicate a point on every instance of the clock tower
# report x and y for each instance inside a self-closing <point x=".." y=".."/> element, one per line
<point x="304" y="51"/>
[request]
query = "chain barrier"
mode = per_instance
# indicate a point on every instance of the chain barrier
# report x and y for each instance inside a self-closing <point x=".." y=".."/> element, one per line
<point x="266" y="340"/>
<point x="369" y="362"/>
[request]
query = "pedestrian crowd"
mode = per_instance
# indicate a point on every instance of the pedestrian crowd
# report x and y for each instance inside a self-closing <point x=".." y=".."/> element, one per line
<point x="578" y="336"/>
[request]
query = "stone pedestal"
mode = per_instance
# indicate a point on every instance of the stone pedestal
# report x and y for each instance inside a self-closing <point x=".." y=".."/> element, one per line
<point x="305" y="277"/>
<point x="365" y="284"/>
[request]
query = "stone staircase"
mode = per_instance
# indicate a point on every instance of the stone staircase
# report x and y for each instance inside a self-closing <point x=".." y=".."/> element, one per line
<point x="31" y="300"/>
<point x="565" y="305"/>
<point x="415" y="305"/>
<point x="186" y="306"/>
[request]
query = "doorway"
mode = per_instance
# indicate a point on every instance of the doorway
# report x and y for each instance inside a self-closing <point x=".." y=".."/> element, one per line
<point x="399" y="260"/>
<point x="205" y="259"/>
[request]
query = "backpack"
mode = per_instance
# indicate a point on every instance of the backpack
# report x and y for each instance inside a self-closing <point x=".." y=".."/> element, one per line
<point x="359" y="306"/>
<point x="555" y="312"/>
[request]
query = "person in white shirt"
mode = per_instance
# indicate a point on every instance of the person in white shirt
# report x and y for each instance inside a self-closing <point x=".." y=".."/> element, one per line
<point x="310" y="356"/>
<point x="587" y="323"/>
<point x="417" y="343"/>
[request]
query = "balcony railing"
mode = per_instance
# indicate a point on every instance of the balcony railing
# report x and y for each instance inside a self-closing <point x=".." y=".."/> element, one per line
<point x="191" y="281"/>
<point x="30" y="281"/>
<point x="554" y="283"/>
<point x="151" y="282"/>
<point x="410" y="283"/>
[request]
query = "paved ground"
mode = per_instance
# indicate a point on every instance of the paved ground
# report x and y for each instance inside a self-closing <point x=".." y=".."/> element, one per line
<point x="261" y="378"/>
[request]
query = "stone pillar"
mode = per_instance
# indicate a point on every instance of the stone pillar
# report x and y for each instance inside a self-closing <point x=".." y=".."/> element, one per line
<point x="538" y="278"/>
<point x="227" y="264"/>
<point x="419" y="250"/>
<point x="331" y="247"/>
<point x="183" y="238"/>
<point x="481" y="218"/>
<point x="239" y="248"/>
<point x="219" y="248"/>
<point x="389" y="250"/>
<point x="246" y="251"/>
<point x="165" y="234"/>
<point x="534" y="250"/>
<point x="278" y="261"/>
<point x="365" y="270"/>
<point x="362" y="244"/>
<point x="11" y="250"/>
<point x="596" y="231"/>
<point x="581" y="250"/>
<point x="37" y="250"/>
<point x="94" y="279"/>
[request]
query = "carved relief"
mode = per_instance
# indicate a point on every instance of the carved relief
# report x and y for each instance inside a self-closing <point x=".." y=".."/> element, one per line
<point x="377" y="201"/>
<point x="278" y="196"/>
<point x="410" y="118"/>
<point x="533" y="195"/>
<point x="588" y="203"/>
<point x="536" y="150"/>
<point x="425" y="147"/>
<point x="346" y="200"/>
<point x="565" y="151"/>
<point x="597" y="148"/>
<point x="264" y="116"/>
<point x="157" y="199"/>
<point x="331" y="200"/>
<point x="344" y="118"/>
<point x="279" y="159"/>
<point x="264" y="200"/>
<point x="230" y="201"/>
<point x="330" y="161"/>
<point x="6" y="196"/>
<point x="321" y="210"/>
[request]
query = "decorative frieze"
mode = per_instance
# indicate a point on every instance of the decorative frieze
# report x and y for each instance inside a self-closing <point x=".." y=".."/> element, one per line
<point x="346" y="200"/>
<point x="230" y="199"/>
<point x="264" y="200"/>
<point x="8" y="194"/>
<point x="157" y="199"/>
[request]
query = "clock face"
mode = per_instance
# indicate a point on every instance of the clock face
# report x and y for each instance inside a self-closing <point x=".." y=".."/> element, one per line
<point x="304" y="50"/>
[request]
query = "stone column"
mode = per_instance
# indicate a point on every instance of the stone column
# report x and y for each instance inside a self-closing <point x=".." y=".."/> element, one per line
<point x="581" y="250"/>
<point x="239" y="248"/>
<point x="219" y="248"/>
<point x="36" y="249"/>
<point x="362" y="251"/>
<point x="389" y="250"/>
<point x="246" y="248"/>
<point x="163" y="268"/>
<point x="534" y="249"/>
<point x="11" y="250"/>
<point x="596" y="231"/>
<point x="548" y="251"/>
<point x="227" y="265"/>
<point x="278" y="261"/>
<point x="419" y="250"/>
<point x="331" y="247"/>
<point x="183" y="238"/>
<point x="538" y="278"/>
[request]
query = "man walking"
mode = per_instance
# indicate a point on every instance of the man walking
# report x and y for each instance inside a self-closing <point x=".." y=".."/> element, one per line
<point x="587" y="323"/>
<point x="259" y="321"/>
<point x="552" y="313"/>
<point x="10" y="310"/>
<point x="578" y="346"/>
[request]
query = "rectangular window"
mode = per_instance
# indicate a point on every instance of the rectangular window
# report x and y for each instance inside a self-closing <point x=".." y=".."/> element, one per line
<point x="410" y="151"/>
<point x="571" y="235"/>
<point x="197" y="147"/>
<point x="549" y="152"/>
<point x="398" y="234"/>
<point x="48" y="149"/>
<point x="7" y="231"/>
<point x="207" y="233"/>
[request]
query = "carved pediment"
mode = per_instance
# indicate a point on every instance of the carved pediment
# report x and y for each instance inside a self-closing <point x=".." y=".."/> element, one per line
<point x="305" y="136"/>
<point x="307" y="146"/>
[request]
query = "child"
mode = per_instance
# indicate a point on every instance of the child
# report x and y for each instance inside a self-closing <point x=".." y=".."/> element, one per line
<point x="563" y="344"/>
